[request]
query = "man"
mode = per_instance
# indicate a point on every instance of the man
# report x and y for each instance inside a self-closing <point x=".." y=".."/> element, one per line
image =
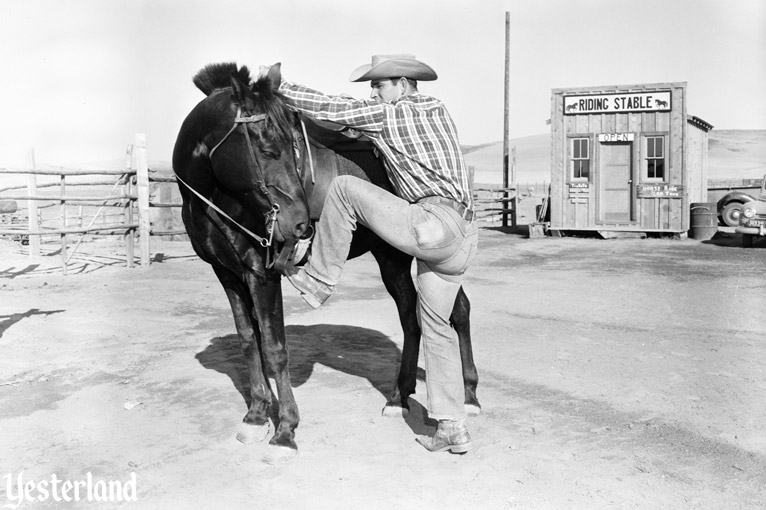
<point x="430" y="217"/>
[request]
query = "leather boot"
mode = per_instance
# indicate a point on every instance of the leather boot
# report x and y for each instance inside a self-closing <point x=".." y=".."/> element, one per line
<point x="451" y="435"/>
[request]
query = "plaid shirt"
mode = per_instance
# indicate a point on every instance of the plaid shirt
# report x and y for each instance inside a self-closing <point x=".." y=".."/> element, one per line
<point x="416" y="135"/>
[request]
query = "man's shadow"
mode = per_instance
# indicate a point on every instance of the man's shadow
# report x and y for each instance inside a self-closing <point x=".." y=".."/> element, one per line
<point x="356" y="351"/>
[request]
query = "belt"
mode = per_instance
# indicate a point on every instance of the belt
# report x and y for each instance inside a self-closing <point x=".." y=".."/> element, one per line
<point x="464" y="212"/>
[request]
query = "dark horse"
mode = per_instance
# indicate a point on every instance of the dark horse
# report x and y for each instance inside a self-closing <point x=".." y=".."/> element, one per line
<point x="241" y="162"/>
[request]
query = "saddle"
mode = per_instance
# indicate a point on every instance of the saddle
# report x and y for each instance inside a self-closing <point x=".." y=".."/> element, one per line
<point x="338" y="150"/>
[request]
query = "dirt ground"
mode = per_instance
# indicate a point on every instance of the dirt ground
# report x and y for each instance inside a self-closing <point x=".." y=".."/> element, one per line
<point x="613" y="374"/>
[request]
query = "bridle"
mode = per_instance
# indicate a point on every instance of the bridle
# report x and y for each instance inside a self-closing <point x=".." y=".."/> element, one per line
<point x="271" y="217"/>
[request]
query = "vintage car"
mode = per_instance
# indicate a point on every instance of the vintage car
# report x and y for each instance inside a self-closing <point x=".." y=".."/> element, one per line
<point x="730" y="207"/>
<point x="752" y="218"/>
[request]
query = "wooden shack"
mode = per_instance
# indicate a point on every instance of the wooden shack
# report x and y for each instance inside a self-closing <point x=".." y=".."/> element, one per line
<point x="625" y="159"/>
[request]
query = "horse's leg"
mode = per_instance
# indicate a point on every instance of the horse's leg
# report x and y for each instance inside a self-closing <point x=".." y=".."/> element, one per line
<point x="255" y="425"/>
<point x="248" y="256"/>
<point x="461" y="322"/>
<point x="267" y="296"/>
<point x="395" y="271"/>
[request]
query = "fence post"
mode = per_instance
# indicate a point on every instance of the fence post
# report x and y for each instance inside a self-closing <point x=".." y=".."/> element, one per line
<point x="142" y="185"/>
<point x="34" y="225"/>
<point x="64" y="220"/>
<point x="127" y="211"/>
<point x="514" y="204"/>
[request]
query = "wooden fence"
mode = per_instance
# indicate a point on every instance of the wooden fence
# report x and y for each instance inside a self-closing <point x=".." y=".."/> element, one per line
<point x="136" y="203"/>
<point x="113" y="202"/>
<point x="496" y="204"/>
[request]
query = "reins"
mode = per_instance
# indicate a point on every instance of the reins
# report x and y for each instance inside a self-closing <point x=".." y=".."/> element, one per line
<point x="308" y="150"/>
<point x="261" y="240"/>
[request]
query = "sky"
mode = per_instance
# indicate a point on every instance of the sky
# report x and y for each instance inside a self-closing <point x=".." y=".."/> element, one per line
<point x="81" y="77"/>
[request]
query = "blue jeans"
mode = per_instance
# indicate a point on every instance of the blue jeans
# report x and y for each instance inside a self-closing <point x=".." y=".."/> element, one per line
<point x="443" y="244"/>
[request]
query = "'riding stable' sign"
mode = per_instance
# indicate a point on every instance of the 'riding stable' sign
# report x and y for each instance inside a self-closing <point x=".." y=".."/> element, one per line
<point x="631" y="102"/>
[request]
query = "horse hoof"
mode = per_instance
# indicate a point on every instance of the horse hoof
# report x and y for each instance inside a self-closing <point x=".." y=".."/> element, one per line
<point x="472" y="410"/>
<point x="249" y="433"/>
<point x="393" y="411"/>
<point x="279" y="454"/>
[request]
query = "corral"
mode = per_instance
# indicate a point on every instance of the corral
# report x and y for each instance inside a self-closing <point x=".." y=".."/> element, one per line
<point x="630" y="385"/>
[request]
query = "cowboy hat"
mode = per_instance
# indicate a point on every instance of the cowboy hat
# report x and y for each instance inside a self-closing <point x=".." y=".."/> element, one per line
<point x="393" y="66"/>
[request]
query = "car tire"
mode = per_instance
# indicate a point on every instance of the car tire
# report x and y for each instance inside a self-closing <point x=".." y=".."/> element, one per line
<point x="731" y="213"/>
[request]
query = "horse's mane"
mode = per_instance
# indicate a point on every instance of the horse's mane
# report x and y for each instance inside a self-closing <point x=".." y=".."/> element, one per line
<point x="218" y="76"/>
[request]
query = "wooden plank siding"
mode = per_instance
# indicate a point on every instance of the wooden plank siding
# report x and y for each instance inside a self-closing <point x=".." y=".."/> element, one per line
<point x="685" y="162"/>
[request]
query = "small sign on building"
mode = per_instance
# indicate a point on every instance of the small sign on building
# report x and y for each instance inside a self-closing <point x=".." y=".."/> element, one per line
<point x="660" y="190"/>
<point x="616" y="137"/>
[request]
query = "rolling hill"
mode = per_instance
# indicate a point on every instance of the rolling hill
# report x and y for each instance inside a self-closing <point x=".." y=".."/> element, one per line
<point x="732" y="153"/>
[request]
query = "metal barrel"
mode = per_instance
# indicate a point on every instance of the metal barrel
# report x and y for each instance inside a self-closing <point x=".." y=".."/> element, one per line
<point x="704" y="220"/>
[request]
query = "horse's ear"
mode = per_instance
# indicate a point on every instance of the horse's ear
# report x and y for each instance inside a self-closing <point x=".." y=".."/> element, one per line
<point x="275" y="75"/>
<point x="238" y="89"/>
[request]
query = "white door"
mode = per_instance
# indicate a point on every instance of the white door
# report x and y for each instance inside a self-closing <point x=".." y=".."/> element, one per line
<point x="615" y="183"/>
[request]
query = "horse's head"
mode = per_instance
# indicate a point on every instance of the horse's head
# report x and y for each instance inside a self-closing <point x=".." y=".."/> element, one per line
<point x="253" y="151"/>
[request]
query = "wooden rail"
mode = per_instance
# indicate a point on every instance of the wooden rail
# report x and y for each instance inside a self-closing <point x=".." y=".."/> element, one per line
<point x="75" y="230"/>
<point x="486" y="200"/>
<point x="53" y="184"/>
<point x="68" y="198"/>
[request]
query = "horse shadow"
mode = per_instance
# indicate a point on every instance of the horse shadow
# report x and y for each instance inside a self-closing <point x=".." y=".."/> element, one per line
<point x="356" y="351"/>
